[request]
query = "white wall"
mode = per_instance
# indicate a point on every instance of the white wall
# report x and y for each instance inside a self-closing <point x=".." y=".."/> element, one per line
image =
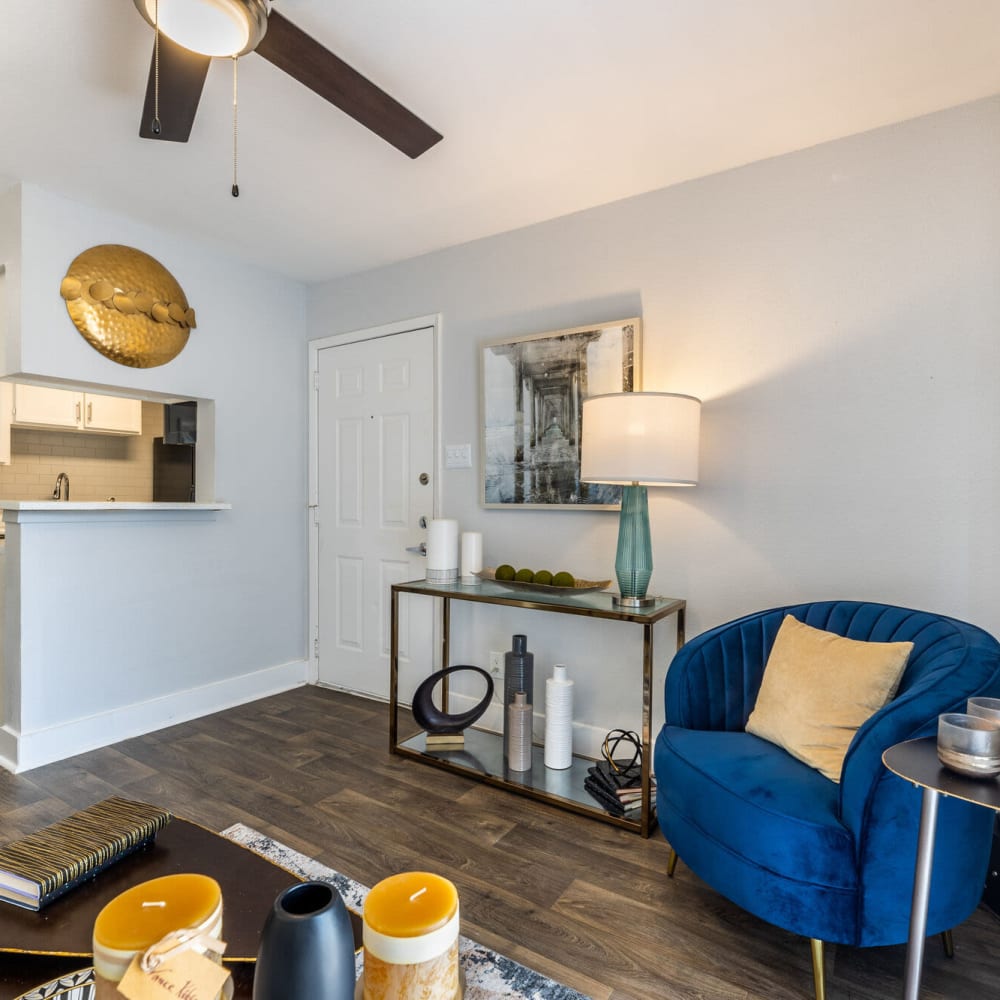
<point x="10" y="276"/>
<point x="838" y="311"/>
<point x="127" y="625"/>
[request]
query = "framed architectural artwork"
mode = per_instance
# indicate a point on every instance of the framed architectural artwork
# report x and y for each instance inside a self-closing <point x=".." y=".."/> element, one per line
<point x="532" y="390"/>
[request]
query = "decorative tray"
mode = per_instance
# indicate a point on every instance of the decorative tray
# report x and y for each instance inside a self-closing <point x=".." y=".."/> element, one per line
<point x="581" y="586"/>
<point x="72" y="986"/>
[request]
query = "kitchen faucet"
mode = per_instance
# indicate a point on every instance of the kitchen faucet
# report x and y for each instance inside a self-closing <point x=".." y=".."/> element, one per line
<point x="57" y="492"/>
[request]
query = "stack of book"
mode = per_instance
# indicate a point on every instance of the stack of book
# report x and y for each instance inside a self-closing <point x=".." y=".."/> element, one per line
<point x="44" y="865"/>
<point x="618" y="788"/>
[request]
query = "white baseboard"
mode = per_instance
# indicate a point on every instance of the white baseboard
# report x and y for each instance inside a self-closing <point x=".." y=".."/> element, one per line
<point x="21" y="751"/>
<point x="8" y="748"/>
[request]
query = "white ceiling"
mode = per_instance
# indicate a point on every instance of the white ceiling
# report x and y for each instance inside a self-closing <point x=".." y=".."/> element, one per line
<point x="546" y="106"/>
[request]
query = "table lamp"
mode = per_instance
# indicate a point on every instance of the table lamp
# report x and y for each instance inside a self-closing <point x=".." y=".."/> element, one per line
<point x="637" y="439"/>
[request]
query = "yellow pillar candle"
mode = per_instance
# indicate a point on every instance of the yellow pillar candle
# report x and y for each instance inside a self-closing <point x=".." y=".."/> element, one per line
<point x="411" y="939"/>
<point x="139" y="917"/>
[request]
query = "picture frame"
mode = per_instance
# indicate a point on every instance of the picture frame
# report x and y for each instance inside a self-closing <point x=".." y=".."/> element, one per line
<point x="532" y="390"/>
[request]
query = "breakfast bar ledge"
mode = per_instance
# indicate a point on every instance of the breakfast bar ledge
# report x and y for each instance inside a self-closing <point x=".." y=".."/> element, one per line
<point x="25" y="511"/>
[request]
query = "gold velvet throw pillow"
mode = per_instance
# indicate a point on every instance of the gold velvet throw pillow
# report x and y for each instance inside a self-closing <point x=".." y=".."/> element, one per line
<point x="818" y="688"/>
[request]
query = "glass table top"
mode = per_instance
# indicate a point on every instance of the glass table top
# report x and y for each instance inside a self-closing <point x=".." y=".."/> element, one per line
<point x="592" y="602"/>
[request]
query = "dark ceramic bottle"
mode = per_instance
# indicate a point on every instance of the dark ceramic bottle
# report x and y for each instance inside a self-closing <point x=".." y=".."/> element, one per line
<point x="306" y="947"/>
<point x="518" y="675"/>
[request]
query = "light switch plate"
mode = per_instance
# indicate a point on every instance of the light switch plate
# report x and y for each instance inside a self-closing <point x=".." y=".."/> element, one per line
<point x="458" y="456"/>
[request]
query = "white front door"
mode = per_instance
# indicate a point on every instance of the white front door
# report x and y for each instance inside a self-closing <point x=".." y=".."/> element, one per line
<point x="374" y="484"/>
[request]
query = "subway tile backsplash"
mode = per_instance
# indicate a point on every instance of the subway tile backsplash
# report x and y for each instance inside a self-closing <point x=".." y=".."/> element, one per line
<point x="98" y="465"/>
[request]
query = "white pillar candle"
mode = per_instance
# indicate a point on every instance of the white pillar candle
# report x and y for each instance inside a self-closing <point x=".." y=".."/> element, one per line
<point x="442" y="550"/>
<point x="472" y="555"/>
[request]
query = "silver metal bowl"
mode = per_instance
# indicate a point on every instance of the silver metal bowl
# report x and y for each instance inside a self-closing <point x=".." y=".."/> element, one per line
<point x="969" y="744"/>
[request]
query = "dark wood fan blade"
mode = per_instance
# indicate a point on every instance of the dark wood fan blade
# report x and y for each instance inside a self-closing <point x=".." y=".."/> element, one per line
<point x="303" y="58"/>
<point x="182" y="76"/>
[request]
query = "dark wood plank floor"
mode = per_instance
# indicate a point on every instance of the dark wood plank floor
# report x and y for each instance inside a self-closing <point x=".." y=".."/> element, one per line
<point x="586" y="903"/>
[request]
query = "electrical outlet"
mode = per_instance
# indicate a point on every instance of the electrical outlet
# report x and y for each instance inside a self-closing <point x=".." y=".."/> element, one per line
<point x="496" y="662"/>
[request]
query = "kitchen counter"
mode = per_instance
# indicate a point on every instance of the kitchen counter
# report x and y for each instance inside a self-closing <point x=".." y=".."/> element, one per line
<point x="105" y="511"/>
<point x="55" y="506"/>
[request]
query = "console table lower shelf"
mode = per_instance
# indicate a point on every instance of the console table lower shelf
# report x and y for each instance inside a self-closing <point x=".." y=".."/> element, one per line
<point x="482" y="756"/>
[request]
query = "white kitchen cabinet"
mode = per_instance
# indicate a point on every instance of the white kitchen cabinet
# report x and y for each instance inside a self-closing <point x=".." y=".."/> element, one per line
<point x="38" y="406"/>
<point x="111" y="414"/>
<point x="66" y="409"/>
<point x="6" y="404"/>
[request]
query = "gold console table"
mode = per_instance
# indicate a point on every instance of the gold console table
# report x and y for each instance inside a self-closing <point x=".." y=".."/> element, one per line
<point x="481" y="758"/>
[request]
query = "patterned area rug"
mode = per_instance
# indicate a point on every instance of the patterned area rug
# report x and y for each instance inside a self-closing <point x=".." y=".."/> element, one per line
<point x="488" y="975"/>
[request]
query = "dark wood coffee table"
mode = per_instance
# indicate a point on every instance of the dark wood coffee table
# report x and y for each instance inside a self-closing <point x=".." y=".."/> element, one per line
<point x="38" y="947"/>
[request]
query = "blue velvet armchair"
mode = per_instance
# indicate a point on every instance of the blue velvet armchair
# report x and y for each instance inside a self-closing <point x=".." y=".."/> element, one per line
<point x="832" y="862"/>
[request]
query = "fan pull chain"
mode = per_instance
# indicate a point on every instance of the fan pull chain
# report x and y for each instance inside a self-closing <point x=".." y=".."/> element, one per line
<point x="236" y="61"/>
<point x="156" y="67"/>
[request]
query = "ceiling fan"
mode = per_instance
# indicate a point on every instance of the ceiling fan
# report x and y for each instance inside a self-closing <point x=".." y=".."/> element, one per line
<point x="193" y="31"/>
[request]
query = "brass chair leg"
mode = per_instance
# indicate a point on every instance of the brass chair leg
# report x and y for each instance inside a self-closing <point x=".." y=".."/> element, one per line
<point x="672" y="863"/>
<point x="817" y="953"/>
<point x="948" y="943"/>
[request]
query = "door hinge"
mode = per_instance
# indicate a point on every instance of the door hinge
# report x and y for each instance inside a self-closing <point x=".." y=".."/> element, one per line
<point x="316" y="379"/>
<point x="316" y="647"/>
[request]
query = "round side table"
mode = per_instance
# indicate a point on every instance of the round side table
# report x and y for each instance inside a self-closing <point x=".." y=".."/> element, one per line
<point x="917" y="761"/>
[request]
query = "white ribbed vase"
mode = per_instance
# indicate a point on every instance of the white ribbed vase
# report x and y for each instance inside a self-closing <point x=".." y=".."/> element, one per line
<point x="558" y="719"/>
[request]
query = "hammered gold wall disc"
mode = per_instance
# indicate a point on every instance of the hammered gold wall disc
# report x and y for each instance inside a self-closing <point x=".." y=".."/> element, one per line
<point x="127" y="305"/>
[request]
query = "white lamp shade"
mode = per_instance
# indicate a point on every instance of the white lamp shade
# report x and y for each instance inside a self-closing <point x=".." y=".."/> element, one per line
<point x="211" y="27"/>
<point x="641" y="437"/>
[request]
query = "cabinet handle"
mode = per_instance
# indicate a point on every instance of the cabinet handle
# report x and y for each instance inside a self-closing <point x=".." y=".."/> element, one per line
<point x="90" y="413"/>
<point x="78" y="413"/>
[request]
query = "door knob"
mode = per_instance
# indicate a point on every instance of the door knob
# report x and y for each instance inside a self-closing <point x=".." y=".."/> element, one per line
<point x="418" y="550"/>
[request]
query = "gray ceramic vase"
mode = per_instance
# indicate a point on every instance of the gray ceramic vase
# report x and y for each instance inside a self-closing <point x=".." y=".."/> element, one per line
<point x="306" y="946"/>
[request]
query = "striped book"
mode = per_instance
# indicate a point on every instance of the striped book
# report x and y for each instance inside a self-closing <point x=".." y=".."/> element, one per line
<point x="42" y="866"/>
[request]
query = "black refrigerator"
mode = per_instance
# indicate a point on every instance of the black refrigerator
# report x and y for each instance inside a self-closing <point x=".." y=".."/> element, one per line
<point x="173" y="472"/>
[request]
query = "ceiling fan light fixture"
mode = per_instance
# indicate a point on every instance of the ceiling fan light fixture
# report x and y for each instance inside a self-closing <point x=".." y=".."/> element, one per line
<point x="210" y="27"/>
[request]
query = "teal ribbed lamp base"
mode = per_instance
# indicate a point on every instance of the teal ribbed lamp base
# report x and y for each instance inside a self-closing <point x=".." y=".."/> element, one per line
<point x="634" y="558"/>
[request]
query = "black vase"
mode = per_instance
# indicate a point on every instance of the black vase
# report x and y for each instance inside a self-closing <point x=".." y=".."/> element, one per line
<point x="306" y="946"/>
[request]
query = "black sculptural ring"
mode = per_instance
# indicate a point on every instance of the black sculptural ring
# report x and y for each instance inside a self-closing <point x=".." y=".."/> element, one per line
<point x="432" y="719"/>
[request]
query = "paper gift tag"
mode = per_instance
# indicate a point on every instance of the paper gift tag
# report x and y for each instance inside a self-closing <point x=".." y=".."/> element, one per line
<point x="187" y="976"/>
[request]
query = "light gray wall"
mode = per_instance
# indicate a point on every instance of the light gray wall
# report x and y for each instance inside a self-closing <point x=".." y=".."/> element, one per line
<point x="124" y="625"/>
<point x="837" y="309"/>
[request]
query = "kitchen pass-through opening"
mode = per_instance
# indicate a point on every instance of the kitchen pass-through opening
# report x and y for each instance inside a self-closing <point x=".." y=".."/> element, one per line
<point x="95" y="445"/>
